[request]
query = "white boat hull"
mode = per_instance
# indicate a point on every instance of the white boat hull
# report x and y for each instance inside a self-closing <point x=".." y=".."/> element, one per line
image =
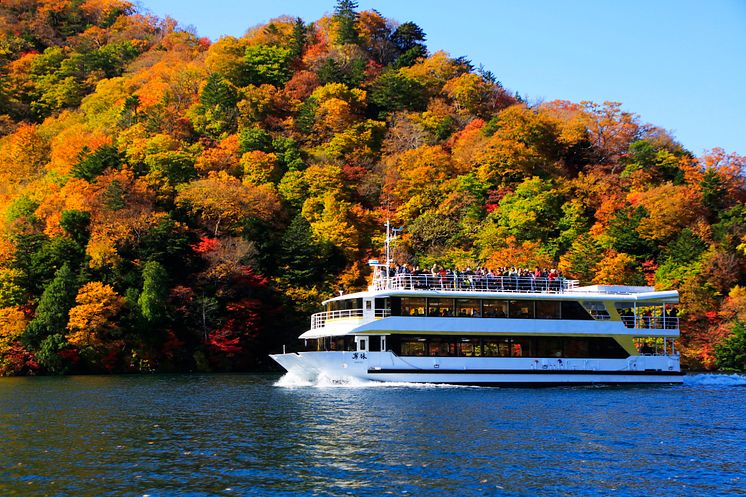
<point x="342" y="367"/>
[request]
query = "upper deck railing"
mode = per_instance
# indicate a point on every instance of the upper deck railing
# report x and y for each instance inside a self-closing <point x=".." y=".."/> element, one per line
<point x="474" y="283"/>
<point x="319" y="319"/>
<point x="662" y="322"/>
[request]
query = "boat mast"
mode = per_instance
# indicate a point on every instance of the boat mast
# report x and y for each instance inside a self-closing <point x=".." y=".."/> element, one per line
<point x="391" y="235"/>
<point x="387" y="246"/>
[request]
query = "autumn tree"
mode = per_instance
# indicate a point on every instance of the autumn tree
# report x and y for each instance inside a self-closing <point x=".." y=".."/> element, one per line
<point x="408" y="39"/>
<point x="152" y="299"/>
<point x="92" y="319"/>
<point x="345" y="18"/>
<point x="216" y="114"/>
<point x="46" y="331"/>
<point x="221" y="201"/>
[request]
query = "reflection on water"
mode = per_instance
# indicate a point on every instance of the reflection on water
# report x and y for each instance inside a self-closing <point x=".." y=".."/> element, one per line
<point x="243" y="435"/>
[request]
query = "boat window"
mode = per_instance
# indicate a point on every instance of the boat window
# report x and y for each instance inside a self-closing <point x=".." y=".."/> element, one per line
<point x="606" y="347"/>
<point x="383" y="304"/>
<point x="412" y="346"/>
<point x="496" y="347"/>
<point x="346" y="343"/>
<point x="495" y="308"/>
<point x="469" y="347"/>
<point x="521" y="309"/>
<point x="344" y="305"/>
<point x="374" y="344"/>
<point x="549" y="347"/>
<point x="412" y="306"/>
<point x="505" y="346"/>
<point x="547" y="309"/>
<point x="596" y="309"/>
<point x="521" y="347"/>
<point x="440" y="307"/>
<point x="571" y="309"/>
<point x="577" y="347"/>
<point x="441" y="347"/>
<point x="468" y="308"/>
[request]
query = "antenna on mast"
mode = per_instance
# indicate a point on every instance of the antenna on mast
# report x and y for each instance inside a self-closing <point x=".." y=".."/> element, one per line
<point x="391" y="235"/>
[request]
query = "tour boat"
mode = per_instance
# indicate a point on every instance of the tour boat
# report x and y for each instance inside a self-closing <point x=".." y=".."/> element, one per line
<point x="490" y="330"/>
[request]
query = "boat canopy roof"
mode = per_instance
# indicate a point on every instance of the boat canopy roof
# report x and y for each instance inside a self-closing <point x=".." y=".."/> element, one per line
<point x="605" y="293"/>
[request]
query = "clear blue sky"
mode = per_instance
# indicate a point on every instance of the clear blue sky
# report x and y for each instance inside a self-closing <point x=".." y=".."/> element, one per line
<point x="679" y="64"/>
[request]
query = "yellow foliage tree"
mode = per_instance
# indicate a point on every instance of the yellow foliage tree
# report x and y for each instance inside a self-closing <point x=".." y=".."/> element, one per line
<point x="618" y="268"/>
<point x="67" y="147"/>
<point x="22" y="157"/>
<point x="670" y="208"/>
<point x="434" y="71"/>
<point x="12" y="323"/>
<point x="259" y="168"/>
<point x="222" y="201"/>
<point x="421" y="169"/>
<point x="93" y="316"/>
<point x="522" y="255"/>
<point x="330" y="221"/>
<point x="470" y="93"/>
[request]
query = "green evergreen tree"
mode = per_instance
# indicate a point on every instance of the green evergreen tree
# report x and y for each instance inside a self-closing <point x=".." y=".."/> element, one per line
<point x="152" y="299"/>
<point x="298" y="38"/>
<point x="686" y="248"/>
<point x="408" y="39"/>
<point x="393" y="91"/>
<point x="346" y="17"/>
<point x="48" y="353"/>
<point x="114" y="197"/>
<point x="624" y="235"/>
<point x="77" y="225"/>
<point x="216" y="113"/>
<point x="714" y="193"/>
<point x="53" y="309"/>
<point x="731" y="352"/>
<point x="265" y="64"/>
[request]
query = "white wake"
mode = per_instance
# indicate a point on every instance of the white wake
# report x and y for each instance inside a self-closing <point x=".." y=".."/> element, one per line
<point x="715" y="379"/>
<point x="290" y="380"/>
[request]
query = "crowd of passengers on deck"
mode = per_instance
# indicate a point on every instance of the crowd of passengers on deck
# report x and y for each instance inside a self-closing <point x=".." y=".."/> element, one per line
<point x="501" y="278"/>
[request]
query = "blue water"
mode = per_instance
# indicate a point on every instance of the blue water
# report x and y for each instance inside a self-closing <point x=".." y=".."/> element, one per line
<point x="234" y="435"/>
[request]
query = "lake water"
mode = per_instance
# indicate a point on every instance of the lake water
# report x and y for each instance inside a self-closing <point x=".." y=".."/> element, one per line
<point x="235" y="435"/>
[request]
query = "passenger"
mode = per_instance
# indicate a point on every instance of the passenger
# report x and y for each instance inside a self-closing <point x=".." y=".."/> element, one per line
<point x="647" y="318"/>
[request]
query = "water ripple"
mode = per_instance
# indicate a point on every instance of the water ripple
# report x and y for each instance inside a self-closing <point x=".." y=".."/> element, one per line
<point x="231" y="435"/>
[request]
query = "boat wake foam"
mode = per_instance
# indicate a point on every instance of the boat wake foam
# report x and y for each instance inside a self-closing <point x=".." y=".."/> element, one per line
<point x="715" y="379"/>
<point x="290" y="380"/>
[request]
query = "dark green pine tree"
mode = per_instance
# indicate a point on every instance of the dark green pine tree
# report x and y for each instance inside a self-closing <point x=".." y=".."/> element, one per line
<point x="92" y="164"/>
<point x="714" y="193"/>
<point x="45" y="334"/>
<point x="298" y="38"/>
<point x="152" y="300"/>
<point x="345" y="15"/>
<point x="393" y="91"/>
<point x="299" y="257"/>
<point x="731" y="352"/>
<point x="77" y="225"/>
<point x="217" y="113"/>
<point x="408" y="39"/>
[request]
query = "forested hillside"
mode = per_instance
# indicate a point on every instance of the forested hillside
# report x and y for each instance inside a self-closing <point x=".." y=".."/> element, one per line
<point x="172" y="204"/>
